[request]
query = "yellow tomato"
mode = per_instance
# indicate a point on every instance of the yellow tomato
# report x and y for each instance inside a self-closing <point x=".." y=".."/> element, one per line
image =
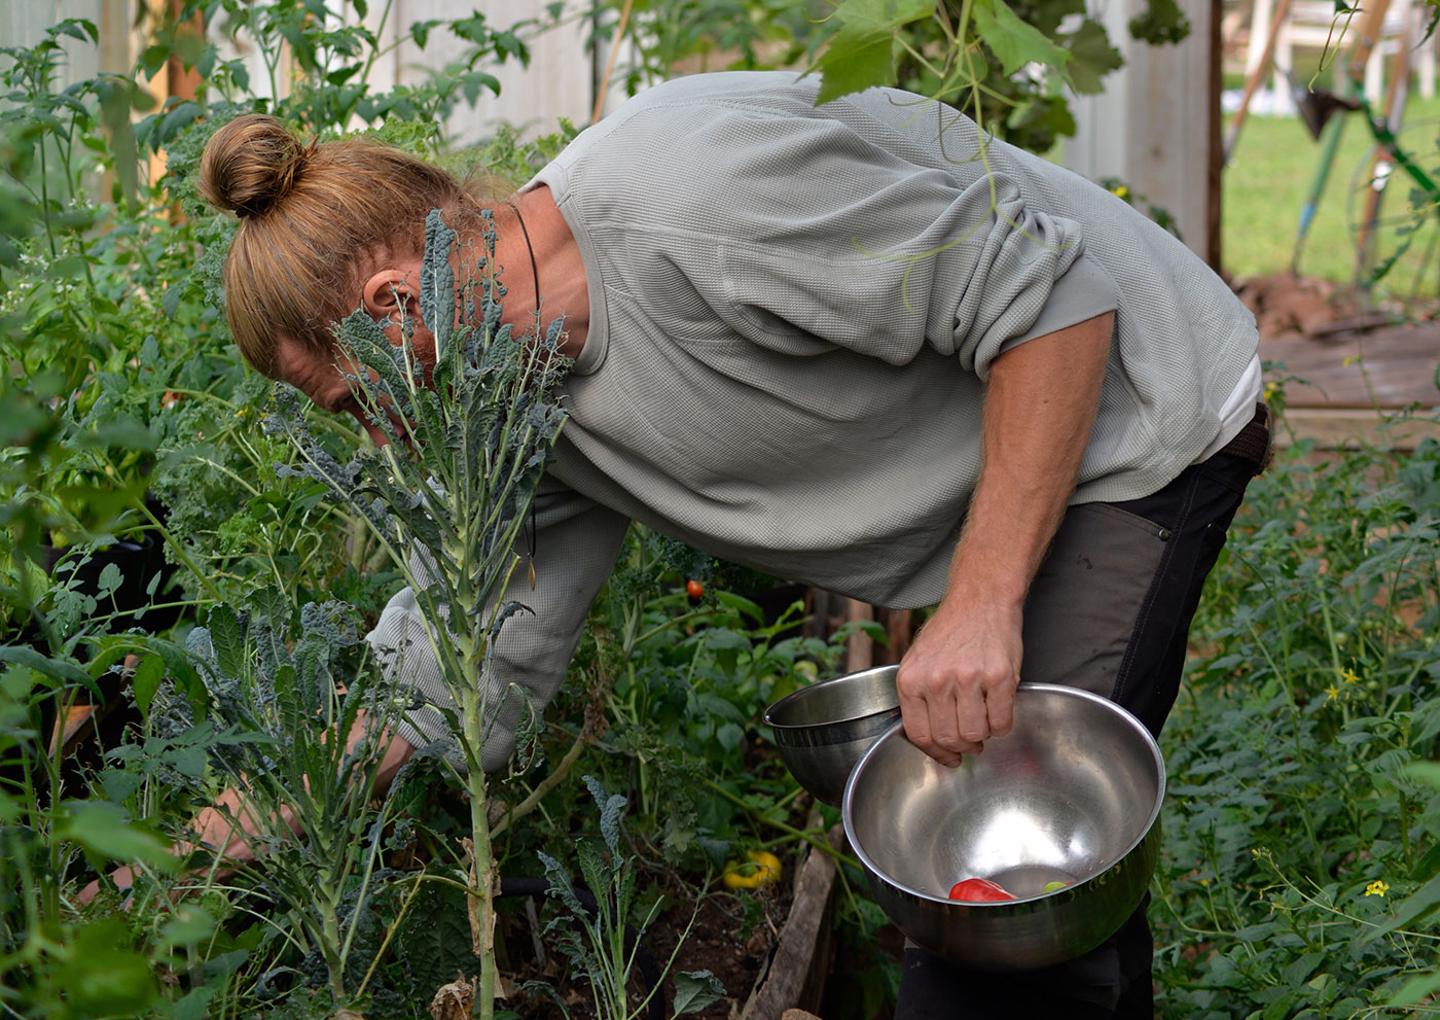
<point x="761" y="868"/>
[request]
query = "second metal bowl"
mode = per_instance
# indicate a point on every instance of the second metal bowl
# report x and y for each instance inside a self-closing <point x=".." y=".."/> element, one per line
<point x="822" y="730"/>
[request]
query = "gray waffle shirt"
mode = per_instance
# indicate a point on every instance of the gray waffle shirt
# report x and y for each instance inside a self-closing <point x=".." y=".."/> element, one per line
<point x="793" y="312"/>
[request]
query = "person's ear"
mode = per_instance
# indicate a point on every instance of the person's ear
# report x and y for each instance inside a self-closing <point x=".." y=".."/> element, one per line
<point x="389" y="293"/>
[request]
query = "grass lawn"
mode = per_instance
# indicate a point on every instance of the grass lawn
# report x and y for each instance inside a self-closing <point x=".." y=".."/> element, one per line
<point x="1266" y="183"/>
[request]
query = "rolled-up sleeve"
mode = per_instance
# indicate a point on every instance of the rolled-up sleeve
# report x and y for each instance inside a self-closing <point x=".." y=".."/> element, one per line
<point x="576" y="544"/>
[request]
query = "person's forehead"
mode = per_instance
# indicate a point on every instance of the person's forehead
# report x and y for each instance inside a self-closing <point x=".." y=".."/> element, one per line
<point x="313" y="372"/>
<point x="289" y="357"/>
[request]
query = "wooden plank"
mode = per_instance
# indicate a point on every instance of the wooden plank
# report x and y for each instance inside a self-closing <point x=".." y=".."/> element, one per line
<point x="1215" y="162"/>
<point x="796" y="975"/>
<point x="860" y="647"/>
<point x="1388" y="368"/>
<point x="1151" y="126"/>
<point x="899" y="624"/>
<point x="1348" y="429"/>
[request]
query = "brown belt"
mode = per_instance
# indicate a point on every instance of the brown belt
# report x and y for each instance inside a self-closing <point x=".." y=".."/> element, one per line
<point x="1253" y="442"/>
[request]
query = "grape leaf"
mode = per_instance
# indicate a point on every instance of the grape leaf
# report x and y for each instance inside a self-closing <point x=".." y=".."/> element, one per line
<point x="861" y="53"/>
<point x="1091" y="57"/>
<point x="1014" y="42"/>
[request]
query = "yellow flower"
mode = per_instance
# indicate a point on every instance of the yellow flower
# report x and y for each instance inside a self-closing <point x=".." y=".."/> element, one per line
<point x="1271" y="389"/>
<point x="1351" y="359"/>
<point x="1377" y="888"/>
<point x="1349" y="676"/>
<point x="1119" y="191"/>
<point x="1333" y="692"/>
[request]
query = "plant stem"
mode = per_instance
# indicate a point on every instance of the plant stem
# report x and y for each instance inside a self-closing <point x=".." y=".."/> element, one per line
<point x="482" y="863"/>
<point x="555" y="778"/>
<point x="333" y="963"/>
<point x="180" y="553"/>
<point x="785" y="827"/>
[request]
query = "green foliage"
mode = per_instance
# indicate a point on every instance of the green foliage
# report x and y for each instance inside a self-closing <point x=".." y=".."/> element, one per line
<point x="121" y="383"/>
<point x="1006" y="64"/>
<point x="1300" y="858"/>
<point x="477" y="428"/>
<point x="861" y="52"/>
<point x="121" y="386"/>
<point x="684" y="688"/>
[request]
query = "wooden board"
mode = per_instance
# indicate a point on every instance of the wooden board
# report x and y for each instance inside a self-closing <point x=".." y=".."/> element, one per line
<point x="1393" y="367"/>
<point x="796" y="975"/>
<point x="1345" y="390"/>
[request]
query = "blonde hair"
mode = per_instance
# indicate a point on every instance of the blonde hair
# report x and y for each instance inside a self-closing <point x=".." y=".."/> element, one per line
<point x="307" y="214"/>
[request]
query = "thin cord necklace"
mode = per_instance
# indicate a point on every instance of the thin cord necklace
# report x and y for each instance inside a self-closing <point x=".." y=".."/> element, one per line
<point x="534" y="268"/>
<point x="535" y="274"/>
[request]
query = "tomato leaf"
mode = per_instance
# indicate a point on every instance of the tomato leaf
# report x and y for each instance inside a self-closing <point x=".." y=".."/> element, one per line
<point x="146" y="681"/>
<point x="104" y="830"/>
<point x="1416" y="989"/>
<point x="695" y="990"/>
<point x="57" y="669"/>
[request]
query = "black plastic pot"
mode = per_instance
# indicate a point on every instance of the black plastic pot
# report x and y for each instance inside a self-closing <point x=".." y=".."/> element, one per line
<point x="138" y="560"/>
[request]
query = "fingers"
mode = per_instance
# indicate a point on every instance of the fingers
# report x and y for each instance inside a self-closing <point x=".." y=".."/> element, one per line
<point x="973" y="721"/>
<point x="933" y="725"/>
<point x="1000" y="710"/>
<point x="957" y="683"/>
<point x="944" y="718"/>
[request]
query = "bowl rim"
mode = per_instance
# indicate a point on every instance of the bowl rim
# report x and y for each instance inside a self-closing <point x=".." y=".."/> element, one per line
<point x="846" y="807"/>
<point x="768" y="717"/>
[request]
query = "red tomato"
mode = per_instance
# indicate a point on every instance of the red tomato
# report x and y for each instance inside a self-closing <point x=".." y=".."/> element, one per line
<point x="694" y="588"/>
<point x="979" y="890"/>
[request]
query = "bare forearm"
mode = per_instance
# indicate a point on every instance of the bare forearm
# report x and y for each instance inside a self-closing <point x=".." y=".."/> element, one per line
<point x="1040" y="405"/>
<point x="957" y="681"/>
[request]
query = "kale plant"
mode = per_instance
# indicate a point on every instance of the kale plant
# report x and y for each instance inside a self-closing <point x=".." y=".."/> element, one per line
<point x="598" y="942"/>
<point x="450" y="493"/>
<point x="302" y="742"/>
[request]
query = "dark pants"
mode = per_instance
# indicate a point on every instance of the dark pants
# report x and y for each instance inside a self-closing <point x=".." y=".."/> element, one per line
<point x="1110" y="612"/>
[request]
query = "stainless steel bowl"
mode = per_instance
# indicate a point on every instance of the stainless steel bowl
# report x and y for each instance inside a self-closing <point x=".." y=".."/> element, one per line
<point x="822" y="730"/>
<point x="1071" y="794"/>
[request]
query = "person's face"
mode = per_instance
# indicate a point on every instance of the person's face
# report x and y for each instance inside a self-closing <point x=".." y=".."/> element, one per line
<point x="317" y="374"/>
<point x="390" y="295"/>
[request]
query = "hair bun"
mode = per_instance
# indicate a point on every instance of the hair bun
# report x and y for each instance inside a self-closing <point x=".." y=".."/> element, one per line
<point x="250" y="164"/>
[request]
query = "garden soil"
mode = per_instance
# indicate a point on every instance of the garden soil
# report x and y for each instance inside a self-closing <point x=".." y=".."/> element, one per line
<point x="733" y="936"/>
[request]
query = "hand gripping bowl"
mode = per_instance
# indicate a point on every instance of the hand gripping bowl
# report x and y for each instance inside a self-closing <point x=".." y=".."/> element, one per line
<point x="1071" y="794"/>
<point x="822" y="730"/>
